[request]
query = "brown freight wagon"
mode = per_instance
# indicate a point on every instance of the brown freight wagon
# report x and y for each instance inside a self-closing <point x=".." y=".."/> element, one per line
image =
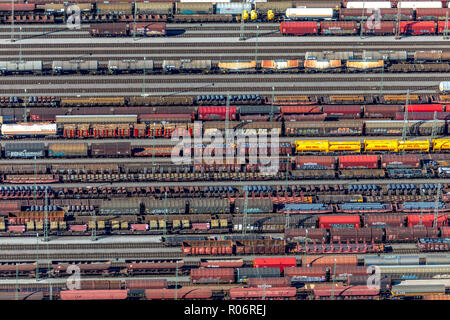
<point x="268" y="282"/>
<point x="315" y="162"/>
<point x="212" y="275"/>
<point x="208" y="247"/>
<point x="331" y="128"/>
<point x="7" y="206"/>
<point x="114" y="8"/>
<point x="383" y="28"/>
<point x="384" y="221"/>
<point x="100" y="284"/>
<point x="319" y="234"/>
<point x="260" y="247"/>
<point x="400" y="161"/>
<point x="146" y="284"/>
<point x="117" y="29"/>
<point x="338" y="27"/>
<point x="161" y="101"/>
<point x="330" y="260"/>
<point x="382" y="111"/>
<point x="120" y="149"/>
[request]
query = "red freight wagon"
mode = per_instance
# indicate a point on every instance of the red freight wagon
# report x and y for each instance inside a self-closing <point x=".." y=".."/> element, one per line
<point x="423" y="116"/>
<point x="300" y="109"/>
<point x="146" y="284"/>
<point x="382" y="28"/>
<point x="338" y="27"/>
<point x="441" y="26"/>
<point x="216" y="113"/>
<point x="432" y="13"/>
<point x="183" y="293"/>
<point x="212" y="275"/>
<point x="260" y="293"/>
<point x="18" y="7"/>
<point x="93" y="294"/>
<point x="16" y="228"/>
<point x="299" y="28"/>
<point x="268" y="282"/>
<point x="345" y="291"/>
<point x="445" y="232"/>
<point x="358" y="162"/>
<point x="427" y="220"/>
<point x="201" y="226"/>
<point x="232" y="263"/>
<point x="426" y="108"/>
<point x="382" y="111"/>
<point x="274" y="263"/>
<point x="417" y="27"/>
<point x="341" y="221"/>
<point x="78" y="227"/>
<point x="139" y="227"/>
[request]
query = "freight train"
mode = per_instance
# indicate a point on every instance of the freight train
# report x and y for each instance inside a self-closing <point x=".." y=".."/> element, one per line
<point x="203" y="100"/>
<point x="389" y="61"/>
<point x="222" y="11"/>
<point x="318" y="147"/>
<point x="348" y="28"/>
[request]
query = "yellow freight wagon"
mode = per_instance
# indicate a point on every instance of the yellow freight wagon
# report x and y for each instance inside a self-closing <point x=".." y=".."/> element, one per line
<point x="381" y="145"/>
<point x="364" y="65"/>
<point x="422" y="145"/>
<point x="441" y="144"/>
<point x="236" y="66"/>
<point x="311" y="145"/>
<point x="351" y="146"/>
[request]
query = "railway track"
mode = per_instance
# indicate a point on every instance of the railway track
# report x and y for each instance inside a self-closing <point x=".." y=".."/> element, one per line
<point x="109" y="90"/>
<point x="159" y="255"/>
<point x="227" y="78"/>
<point x="81" y="246"/>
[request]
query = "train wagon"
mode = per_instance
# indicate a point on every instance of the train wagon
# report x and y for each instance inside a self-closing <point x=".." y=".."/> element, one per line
<point x="187" y="65"/>
<point x="314" y="65"/>
<point x="122" y="66"/>
<point x="299" y="28"/>
<point x="237" y="66"/>
<point x="147" y="29"/>
<point x="29" y="129"/>
<point x="310" y="13"/>
<point x="80" y="66"/>
<point x="279" y="65"/>
<point x="117" y="29"/>
<point x="8" y="67"/>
